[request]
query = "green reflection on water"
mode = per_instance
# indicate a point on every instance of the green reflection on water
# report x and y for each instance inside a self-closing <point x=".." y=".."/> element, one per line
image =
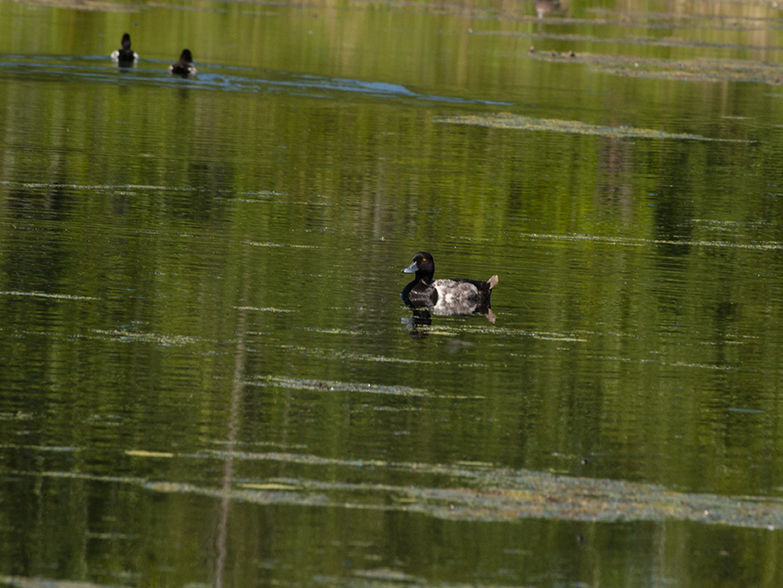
<point x="207" y="375"/>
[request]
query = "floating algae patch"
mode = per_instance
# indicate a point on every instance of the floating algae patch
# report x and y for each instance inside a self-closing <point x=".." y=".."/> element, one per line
<point x="134" y="337"/>
<point x="468" y="492"/>
<point x="695" y="70"/>
<point x="244" y="495"/>
<point x="546" y="336"/>
<point x="389" y="577"/>
<point x="644" y="41"/>
<point x="526" y="123"/>
<point x="143" y="453"/>
<point x="113" y="188"/>
<point x="87" y="5"/>
<point x="338" y="331"/>
<point x="269" y="486"/>
<point x="479" y="493"/>
<point x="343" y="355"/>
<point x="45" y="295"/>
<point x="263" y="309"/>
<point x="271" y="244"/>
<point x="505" y="495"/>
<point x="25" y="582"/>
<point x="687" y="70"/>
<point x="294" y="458"/>
<point x="641" y="241"/>
<point x="333" y="386"/>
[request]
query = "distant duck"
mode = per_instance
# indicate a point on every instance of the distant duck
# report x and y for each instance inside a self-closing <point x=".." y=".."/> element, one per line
<point x="544" y="7"/>
<point x="125" y="55"/>
<point x="184" y="67"/>
<point x="446" y="297"/>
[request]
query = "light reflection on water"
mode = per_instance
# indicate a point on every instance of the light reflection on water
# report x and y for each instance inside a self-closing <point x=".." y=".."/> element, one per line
<point x="207" y="375"/>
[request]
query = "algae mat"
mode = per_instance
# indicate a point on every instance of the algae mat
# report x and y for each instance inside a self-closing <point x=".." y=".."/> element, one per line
<point x="474" y="491"/>
<point x="526" y="123"/>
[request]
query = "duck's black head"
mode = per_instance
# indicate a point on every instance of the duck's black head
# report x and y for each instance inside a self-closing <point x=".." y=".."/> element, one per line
<point x="423" y="266"/>
<point x="126" y="41"/>
<point x="186" y="56"/>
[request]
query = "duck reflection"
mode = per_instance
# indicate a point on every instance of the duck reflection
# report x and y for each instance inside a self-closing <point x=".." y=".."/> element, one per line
<point x="421" y="320"/>
<point x="418" y="324"/>
<point x="446" y="297"/>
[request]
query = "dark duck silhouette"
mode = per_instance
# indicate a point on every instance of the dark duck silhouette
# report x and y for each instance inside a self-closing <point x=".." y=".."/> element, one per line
<point x="446" y="296"/>
<point x="125" y="56"/>
<point x="184" y="67"/>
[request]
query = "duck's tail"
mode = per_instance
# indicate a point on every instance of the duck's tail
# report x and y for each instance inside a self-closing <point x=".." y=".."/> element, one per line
<point x="493" y="281"/>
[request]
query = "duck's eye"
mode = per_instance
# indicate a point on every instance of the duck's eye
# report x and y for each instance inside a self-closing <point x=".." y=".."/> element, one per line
<point x="424" y="259"/>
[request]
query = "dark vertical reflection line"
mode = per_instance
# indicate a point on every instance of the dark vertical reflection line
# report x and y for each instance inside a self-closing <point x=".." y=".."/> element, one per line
<point x="228" y="468"/>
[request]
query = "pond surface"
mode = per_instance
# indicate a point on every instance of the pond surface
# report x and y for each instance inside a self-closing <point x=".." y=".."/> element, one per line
<point x="208" y="377"/>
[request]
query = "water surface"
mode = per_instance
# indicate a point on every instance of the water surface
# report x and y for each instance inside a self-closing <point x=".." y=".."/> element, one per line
<point x="208" y="377"/>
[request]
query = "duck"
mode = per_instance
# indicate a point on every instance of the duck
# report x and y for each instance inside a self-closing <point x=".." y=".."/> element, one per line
<point x="125" y="55"/>
<point x="446" y="296"/>
<point x="544" y="7"/>
<point x="184" y="67"/>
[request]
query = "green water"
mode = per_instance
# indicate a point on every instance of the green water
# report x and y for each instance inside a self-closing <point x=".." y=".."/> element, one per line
<point x="208" y="377"/>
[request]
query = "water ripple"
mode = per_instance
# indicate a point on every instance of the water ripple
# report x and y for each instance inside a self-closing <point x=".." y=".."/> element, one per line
<point x="154" y="72"/>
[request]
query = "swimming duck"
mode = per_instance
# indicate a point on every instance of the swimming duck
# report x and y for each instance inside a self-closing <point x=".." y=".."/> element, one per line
<point x="184" y="67"/>
<point x="125" y="55"/>
<point x="446" y="297"/>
